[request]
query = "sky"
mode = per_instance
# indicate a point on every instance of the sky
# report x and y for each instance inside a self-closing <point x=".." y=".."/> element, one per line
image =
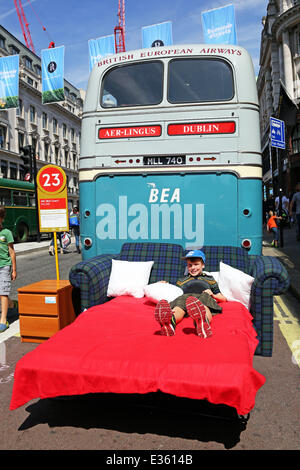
<point x="73" y="22"/>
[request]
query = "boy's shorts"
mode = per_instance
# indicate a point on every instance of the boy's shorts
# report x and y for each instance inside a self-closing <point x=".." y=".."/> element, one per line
<point x="5" y="280"/>
<point x="205" y="298"/>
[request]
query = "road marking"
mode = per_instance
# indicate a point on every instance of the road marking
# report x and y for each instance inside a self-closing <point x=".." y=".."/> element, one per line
<point x="289" y="326"/>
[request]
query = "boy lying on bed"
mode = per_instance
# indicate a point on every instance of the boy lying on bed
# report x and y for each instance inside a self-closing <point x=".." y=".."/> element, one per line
<point x="198" y="301"/>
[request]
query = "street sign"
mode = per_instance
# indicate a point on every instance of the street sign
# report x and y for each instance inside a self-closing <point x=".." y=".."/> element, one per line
<point x="277" y="133"/>
<point x="52" y="199"/>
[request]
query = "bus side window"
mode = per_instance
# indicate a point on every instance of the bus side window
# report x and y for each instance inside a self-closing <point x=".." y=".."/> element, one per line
<point x="31" y="200"/>
<point x="5" y="197"/>
<point x="19" y="198"/>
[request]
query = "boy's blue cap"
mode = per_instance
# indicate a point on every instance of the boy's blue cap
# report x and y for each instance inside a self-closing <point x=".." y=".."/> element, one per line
<point x="195" y="254"/>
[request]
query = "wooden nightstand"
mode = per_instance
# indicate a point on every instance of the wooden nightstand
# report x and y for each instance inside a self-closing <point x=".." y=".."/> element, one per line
<point x="44" y="308"/>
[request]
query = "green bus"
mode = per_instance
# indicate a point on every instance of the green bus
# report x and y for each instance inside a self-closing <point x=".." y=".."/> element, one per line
<point x="18" y="197"/>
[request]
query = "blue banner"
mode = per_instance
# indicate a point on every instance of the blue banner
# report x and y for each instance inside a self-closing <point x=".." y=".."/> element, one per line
<point x="219" y="25"/>
<point x="9" y="82"/>
<point x="100" y="47"/>
<point x="157" y="35"/>
<point x="53" y="75"/>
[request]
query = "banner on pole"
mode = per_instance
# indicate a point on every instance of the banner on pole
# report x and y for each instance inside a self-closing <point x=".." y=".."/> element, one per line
<point x="53" y="75"/>
<point x="157" y="35"/>
<point x="219" y="25"/>
<point x="9" y="82"/>
<point x="100" y="47"/>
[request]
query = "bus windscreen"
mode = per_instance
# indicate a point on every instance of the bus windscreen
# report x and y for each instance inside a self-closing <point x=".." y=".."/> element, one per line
<point x="199" y="80"/>
<point x="133" y="85"/>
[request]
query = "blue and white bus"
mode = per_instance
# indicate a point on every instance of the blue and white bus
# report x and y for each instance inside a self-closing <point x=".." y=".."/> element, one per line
<point x="170" y="150"/>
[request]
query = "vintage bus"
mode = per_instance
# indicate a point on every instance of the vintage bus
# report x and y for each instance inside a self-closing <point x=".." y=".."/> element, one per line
<point x="170" y="150"/>
<point x="18" y="197"/>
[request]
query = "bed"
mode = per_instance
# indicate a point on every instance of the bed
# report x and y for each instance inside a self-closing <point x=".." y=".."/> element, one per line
<point x="114" y="345"/>
<point x="116" y="348"/>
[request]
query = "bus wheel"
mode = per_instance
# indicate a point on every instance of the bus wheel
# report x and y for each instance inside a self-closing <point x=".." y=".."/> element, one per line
<point x="22" y="233"/>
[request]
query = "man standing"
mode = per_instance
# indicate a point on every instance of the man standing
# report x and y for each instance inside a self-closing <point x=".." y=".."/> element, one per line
<point x="296" y="200"/>
<point x="75" y="225"/>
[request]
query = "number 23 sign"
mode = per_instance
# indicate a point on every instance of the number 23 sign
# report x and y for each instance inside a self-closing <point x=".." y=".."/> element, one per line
<point x="52" y="199"/>
<point x="51" y="179"/>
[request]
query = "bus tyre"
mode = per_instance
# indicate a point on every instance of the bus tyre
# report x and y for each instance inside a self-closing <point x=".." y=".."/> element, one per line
<point x="22" y="233"/>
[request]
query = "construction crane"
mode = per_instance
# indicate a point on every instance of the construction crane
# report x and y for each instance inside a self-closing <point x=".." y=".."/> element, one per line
<point x="120" y="29"/>
<point x="25" y="25"/>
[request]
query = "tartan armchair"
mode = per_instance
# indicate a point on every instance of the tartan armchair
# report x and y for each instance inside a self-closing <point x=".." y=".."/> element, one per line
<point x="90" y="278"/>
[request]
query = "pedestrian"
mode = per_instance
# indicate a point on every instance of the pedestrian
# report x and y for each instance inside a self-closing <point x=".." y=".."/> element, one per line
<point x="8" y="271"/>
<point x="201" y="292"/>
<point x="272" y="227"/>
<point x="74" y="223"/>
<point x="296" y="200"/>
<point x="51" y="246"/>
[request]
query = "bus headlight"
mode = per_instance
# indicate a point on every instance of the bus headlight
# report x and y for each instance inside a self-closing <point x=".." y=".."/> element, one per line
<point x="87" y="242"/>
<point x="246" y="243"/>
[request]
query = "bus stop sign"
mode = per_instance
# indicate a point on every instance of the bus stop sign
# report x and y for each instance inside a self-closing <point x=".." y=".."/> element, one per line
<point x="277" y="133"/>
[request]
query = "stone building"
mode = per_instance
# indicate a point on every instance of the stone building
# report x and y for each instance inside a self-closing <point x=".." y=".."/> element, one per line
<point x="278" y="87"/>
<point x="53" y="130"/>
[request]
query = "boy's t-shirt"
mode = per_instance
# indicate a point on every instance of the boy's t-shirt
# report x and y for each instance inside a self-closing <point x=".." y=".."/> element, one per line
<point x="6" y="237"/>
<point x="197" y="284"/>
<point x="272" y="222"/>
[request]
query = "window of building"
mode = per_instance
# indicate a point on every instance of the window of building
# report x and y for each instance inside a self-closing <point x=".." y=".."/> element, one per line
<point x="45" y="120"/>
<point x="296" y="139"/>
<point x="28" y="62"/>
<point x="30" y="81"/>
<point x="72" y="135"/>
<point x="38" y="70"/>
<point x="19" y="110"/>
<point x="20" y="140"/>
<point x="54" y="125"/>
<point x="4" y="168"/>
<point x="64" y="131"/>
<point x="32" y="113"/>
<point x="46" y="150"/>
<point x="14" y="50"/>
<point x="2" y="137"/>
<point x="56" y="154"/>
<point x="13" y="171"/>
<point x="2" y="42"/>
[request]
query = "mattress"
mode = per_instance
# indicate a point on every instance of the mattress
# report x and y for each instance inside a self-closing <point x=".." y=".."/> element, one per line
<point x="116" y="348"/>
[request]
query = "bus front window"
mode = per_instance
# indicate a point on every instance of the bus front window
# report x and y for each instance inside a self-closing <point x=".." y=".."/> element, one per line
<point x="133" y="85"/>
<point x="199" y="80"/>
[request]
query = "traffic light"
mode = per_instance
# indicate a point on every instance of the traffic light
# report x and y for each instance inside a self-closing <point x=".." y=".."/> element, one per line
<point x="26" y="156"/>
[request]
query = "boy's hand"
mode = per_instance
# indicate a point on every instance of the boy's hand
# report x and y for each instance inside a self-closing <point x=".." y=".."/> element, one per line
<point x="14" y="275"/>
<point x="208" y="291"/>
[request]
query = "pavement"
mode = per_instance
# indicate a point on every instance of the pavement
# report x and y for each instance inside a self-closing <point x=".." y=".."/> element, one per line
<point x="288" y="255"/>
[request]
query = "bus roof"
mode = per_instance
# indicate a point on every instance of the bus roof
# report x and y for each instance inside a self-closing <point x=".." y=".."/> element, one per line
<point x="16" y="184"/>
<point x="238" y="56"/>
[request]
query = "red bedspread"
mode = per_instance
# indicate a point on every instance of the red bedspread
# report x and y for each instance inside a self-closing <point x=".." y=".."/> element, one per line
<point x="116" y="348"/>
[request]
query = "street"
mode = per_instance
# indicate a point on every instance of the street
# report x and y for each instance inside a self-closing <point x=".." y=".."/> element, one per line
<point x="164" y="423"/>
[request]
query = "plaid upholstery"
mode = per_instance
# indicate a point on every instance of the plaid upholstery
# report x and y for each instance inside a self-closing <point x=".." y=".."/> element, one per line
<point x="91" y="277"/>
<point x="271" y="278"/>
<point x="236" y="257"/>
<point x="168" y="263"/>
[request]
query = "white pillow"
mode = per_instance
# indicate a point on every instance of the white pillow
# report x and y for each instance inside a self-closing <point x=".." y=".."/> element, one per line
<point x="162" y="290"/>
<point x="235" y="284"/>
<point x="129" y="278"/>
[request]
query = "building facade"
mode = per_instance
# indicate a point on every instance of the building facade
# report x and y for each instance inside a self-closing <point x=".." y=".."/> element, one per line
<point x="53" y="130"/>
<point x="278" y="87"/>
